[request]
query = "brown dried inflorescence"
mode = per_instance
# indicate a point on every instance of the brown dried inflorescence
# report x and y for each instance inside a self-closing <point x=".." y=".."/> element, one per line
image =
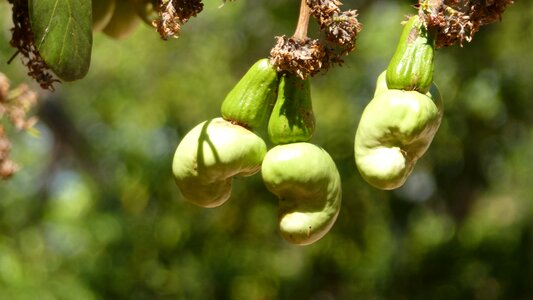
<point x="324" y="10"/>
<point x="307" y="57"/>
<point x="14" y="104"/>
<point x="173" y="14"/>
<point x="22" y="39"/>
<point x="301" y="57"/>
<point x="340" y="27"/>
<point x="342" y="31"/>
<point x="456" y="21"/>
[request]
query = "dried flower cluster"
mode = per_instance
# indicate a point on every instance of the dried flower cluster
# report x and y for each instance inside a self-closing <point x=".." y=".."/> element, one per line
<point x="340" y="27"/>
<point x="173" y="14"/>
<point x="22" y="39"/>
<point x="343" y="30"/>
<point x="324" y="10"/>
<point x="15" y="105"/>
<point x="306" y="57"/>
<point x="302" y="57"/>
<point x="457" y="21"/>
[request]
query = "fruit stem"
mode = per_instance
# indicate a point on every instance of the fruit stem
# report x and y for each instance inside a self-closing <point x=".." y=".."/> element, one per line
<point x="303" y="22"/>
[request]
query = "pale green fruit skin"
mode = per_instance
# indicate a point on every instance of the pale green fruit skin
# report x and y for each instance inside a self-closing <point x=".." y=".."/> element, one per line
<point x="210" y="155"/>
<point x="306" y="181"/>
<point x="102" y="12"/>
<point x="395" y="130"/>
<point x="124" y="20"/>
<point x="434" y="92"/>
<point x="381" y="84"/>
<point x="252" y="98"/>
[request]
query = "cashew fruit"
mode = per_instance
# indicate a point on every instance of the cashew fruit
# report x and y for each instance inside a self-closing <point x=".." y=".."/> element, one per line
<point x="146" y="10"/>
<point x="381" y="84"/>
<point x="306" y="181"/>
<point x="411" y="66"/>
<point x="395" y="130"/>
<point x="292" y="119"/>
<point x="102" y="11"/>
<point x="250" y="101"/>
<point x="124" y="20"/>
<point x="210" y="155"/>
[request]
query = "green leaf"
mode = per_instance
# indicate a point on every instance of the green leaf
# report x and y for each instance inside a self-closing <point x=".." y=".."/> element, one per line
<point x="63" y="36"/>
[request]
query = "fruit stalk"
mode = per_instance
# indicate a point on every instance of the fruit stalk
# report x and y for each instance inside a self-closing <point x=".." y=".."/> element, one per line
<point x="303" y="22"/>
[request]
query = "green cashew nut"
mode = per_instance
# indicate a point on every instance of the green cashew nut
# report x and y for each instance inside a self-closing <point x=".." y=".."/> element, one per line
<point x="250" y="101"/>
<point x="411" y="66"/>
<point x="308" y="185"/>
<point x="292" y="119"/>
<point x="210" y="155"/>
<point x="395" y="130"/>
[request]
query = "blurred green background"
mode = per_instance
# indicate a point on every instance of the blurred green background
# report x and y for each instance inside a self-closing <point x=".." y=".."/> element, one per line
<point x="94" y="213"/>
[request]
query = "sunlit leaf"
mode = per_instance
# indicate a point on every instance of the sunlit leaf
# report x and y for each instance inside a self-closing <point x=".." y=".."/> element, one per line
<point x="62" y="31"/>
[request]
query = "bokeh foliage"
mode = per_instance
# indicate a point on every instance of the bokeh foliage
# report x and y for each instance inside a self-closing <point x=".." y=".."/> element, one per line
<point x="94" y="213"/>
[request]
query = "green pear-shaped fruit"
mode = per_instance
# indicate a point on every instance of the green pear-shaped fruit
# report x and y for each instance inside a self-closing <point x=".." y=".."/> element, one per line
<point x="308" y="185"/>
<point x="395" y="130"/>
<point x="210" y="155"/>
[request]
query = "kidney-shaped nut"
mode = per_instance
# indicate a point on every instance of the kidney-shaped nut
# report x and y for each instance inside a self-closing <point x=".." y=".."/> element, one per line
<point x="306" y="181"/>
<point x="395" y="130"/>
<point x="210" y="155"/>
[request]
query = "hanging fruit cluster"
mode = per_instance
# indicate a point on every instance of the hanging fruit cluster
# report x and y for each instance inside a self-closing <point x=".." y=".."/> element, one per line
<point x="395" y="130"/>
<point x="396" y="127"/>
<point x="302" y="175"/>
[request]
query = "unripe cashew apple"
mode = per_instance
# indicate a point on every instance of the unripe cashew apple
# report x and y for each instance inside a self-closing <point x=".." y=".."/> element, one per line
<point x="308" y="185"/>
<point x="102" y="13"/>
<point x="124" y="20"/>
<point x="210" y="155"/>
<point x="381" y="84"/>
<point x="395" y="130"/>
